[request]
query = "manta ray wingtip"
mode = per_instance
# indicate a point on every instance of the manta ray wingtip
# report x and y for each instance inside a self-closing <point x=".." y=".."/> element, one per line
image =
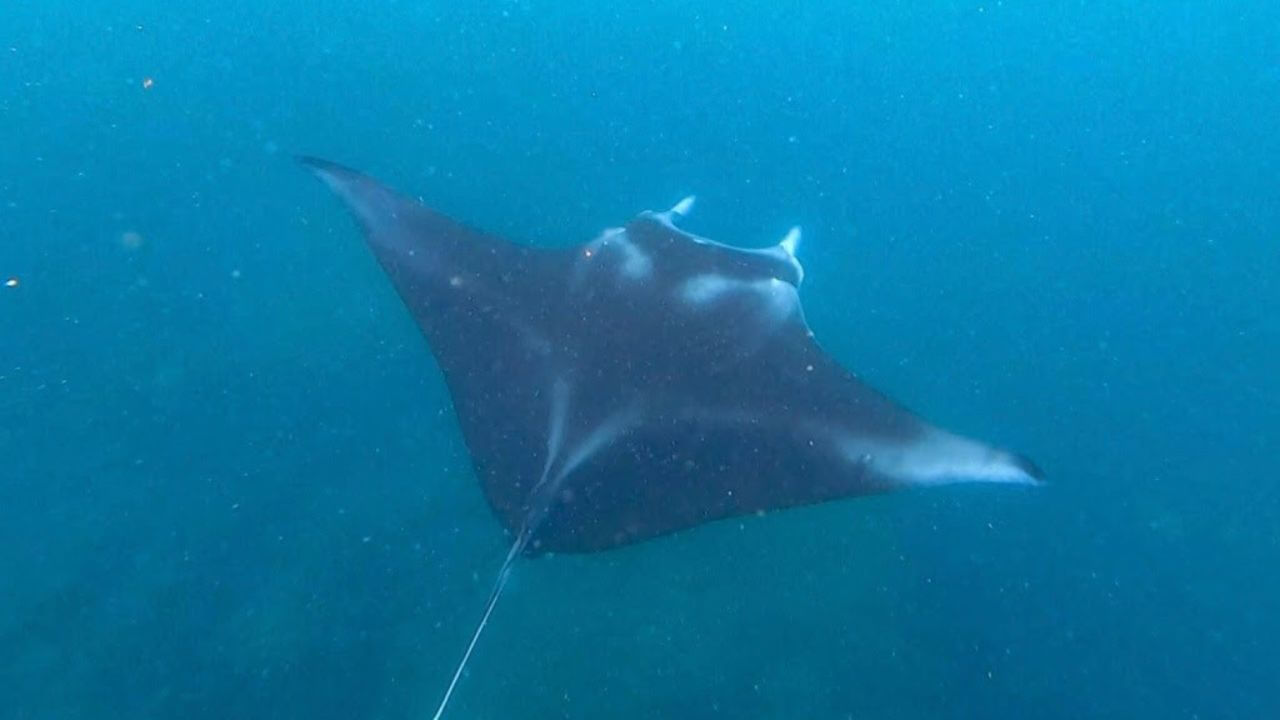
<point x="316" y="164"/>
<point x="1034" y="475"/>
<point x="379" y="209"/>
<point x="330" y="172"/>
<point x="337" y="177"/>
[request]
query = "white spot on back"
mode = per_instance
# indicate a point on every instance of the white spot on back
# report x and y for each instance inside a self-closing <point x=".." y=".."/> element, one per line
<point x="702" y="289"/>
<point x="778" y="296"/>
<point x="636" y="263"/>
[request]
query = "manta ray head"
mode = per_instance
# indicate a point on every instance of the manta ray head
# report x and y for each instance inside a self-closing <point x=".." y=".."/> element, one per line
<point x="694" y="275"/>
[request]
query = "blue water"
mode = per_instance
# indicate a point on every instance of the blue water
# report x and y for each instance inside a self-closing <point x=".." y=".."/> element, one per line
<point x="232" y="486"/>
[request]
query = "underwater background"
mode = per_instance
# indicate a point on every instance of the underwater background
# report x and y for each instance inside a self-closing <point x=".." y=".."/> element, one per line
<point x="231" y="484"/>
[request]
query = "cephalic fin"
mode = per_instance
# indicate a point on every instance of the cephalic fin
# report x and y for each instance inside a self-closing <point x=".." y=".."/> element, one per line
<point x="791" y="242"/>
<point x="683" y="207"/>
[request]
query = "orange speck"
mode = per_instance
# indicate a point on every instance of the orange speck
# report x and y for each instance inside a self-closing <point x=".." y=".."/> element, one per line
<point x="147" y="83"/>
<point x="11" y="282"/>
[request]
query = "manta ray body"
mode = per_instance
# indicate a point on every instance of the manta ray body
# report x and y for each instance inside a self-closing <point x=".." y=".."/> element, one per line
<point x="645" y="382"/>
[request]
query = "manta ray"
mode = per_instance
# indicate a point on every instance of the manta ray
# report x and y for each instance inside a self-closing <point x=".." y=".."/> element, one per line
<point x="645" y="382"/>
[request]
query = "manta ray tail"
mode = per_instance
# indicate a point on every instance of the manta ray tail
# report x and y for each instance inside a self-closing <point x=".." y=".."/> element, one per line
<point x="499" y="584"/>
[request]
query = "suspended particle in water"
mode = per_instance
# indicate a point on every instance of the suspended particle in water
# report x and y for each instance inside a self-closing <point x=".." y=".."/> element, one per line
<point x="131" y="240"/>
<point x="11" y="282"/>
<point x="147" y="83"/>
